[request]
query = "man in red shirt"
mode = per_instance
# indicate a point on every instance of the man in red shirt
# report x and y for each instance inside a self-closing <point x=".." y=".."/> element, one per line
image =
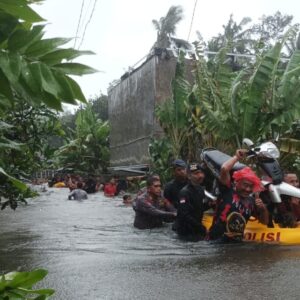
<point x="110" y="189"/>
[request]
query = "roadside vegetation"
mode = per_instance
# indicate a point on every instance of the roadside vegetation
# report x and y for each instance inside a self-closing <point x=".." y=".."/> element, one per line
<point x="233" y="97"/>
<point x="35" y="82"/>
<point x="254" y="95"/>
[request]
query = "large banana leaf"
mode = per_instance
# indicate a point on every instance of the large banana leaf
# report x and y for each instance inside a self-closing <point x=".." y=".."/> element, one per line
<point x="260" y="101"/>
<point x="89" y="150"/>
<point x="172" y="113"/>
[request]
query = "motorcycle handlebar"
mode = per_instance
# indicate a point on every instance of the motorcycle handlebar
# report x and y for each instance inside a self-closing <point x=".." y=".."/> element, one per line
<point x="250" y="153"/>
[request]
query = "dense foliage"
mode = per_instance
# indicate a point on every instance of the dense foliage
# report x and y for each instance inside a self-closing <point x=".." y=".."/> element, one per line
<point x="34" y="82"/>
<point x="160" y="151"/>
<point x="231" y="98"/>
<point x="172" y="113"/>
<point x="33" y="127"/>
<point x="88" y="150"/>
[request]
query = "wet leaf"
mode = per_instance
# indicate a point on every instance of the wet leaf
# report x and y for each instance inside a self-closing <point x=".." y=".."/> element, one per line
<point x="78" y="94"/>
<point x="75" y="69"/>
<point x="21" y="10"/>
<point x="51" y="101"/>
<point x="27" y="279"/>
<point x="45" y="46"/>
<point x="21" y="39"/>
<point x="49" y="83"/>
<point x="17" y="183"/>
<point x="57" y="56"/>
<point x="5" y="87"/>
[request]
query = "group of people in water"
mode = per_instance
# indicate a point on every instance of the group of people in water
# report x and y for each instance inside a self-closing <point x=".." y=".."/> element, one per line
<point x="183" y="201"/>
<point x="80" y="187"/>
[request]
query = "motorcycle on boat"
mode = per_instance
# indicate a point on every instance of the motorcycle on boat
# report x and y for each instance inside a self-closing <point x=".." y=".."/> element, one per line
<point x="264" y="156"/>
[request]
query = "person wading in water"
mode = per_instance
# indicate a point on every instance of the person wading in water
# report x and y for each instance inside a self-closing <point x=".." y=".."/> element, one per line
<point x="237" y="203"/>
<point x="151" y="209"/>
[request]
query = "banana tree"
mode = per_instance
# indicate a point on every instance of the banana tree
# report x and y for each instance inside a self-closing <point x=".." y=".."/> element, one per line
<point x="89" y="151"/>
<point x="173" y="114"/>
<point x="208" y="103"/>
<point x="259" y="102"/>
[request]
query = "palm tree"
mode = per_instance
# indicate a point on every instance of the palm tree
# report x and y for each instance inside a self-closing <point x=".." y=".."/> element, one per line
<point x="166" y="26"/>
<point x="236" y="39"/>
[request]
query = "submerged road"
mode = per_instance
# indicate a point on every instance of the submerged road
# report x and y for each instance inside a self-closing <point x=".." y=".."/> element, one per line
<point x="92" y="251"/>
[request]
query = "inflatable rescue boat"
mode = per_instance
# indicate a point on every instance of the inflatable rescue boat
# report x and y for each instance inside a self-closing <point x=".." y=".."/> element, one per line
<point x="259" y="233"/>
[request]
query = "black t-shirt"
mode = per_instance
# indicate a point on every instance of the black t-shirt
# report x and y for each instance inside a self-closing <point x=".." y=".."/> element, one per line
<point x="121" y="186"/>
<point x="232" y="214"/>
<point x="190" y="211"/>
<point x="90" y="186"/>
<point x="172" y="190"/>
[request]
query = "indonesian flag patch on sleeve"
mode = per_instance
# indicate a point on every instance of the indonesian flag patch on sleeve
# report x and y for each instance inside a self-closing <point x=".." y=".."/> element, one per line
<point x="182" y="200"/>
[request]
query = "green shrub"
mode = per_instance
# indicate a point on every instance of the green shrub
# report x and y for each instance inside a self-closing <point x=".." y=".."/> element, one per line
<point x="18" y="285"/>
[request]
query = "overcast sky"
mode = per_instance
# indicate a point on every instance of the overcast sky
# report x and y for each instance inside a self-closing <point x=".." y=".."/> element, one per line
<point x="120" y="32"/>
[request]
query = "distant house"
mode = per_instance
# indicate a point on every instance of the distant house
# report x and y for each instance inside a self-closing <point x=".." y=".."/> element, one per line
<point x="131" y="106"/>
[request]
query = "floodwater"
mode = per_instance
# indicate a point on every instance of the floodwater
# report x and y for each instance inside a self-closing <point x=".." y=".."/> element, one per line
<point x="92" y="251"/>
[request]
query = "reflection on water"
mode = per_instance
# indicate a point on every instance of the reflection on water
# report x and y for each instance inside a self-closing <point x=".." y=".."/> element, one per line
<point x="92" y="251"/>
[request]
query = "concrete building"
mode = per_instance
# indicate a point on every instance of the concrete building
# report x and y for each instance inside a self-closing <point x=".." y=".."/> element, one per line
<point x="131" y="107"/>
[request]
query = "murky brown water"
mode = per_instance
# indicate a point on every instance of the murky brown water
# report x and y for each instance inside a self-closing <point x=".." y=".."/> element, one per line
<point x="92" y="251"/>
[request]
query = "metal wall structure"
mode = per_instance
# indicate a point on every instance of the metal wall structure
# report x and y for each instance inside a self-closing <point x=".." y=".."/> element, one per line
<point x="131" y="109"/>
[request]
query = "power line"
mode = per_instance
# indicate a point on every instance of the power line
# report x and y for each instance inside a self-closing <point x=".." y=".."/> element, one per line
<point x="87" y="10"/>
<point x="192" y="20"/>
<point x="79" y="21"/>
<point x="87" y="23"/>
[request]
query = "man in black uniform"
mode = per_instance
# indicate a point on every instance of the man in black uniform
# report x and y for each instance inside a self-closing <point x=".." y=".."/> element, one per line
<point x="173" y="187"/>
<point x="191" y="206"/>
